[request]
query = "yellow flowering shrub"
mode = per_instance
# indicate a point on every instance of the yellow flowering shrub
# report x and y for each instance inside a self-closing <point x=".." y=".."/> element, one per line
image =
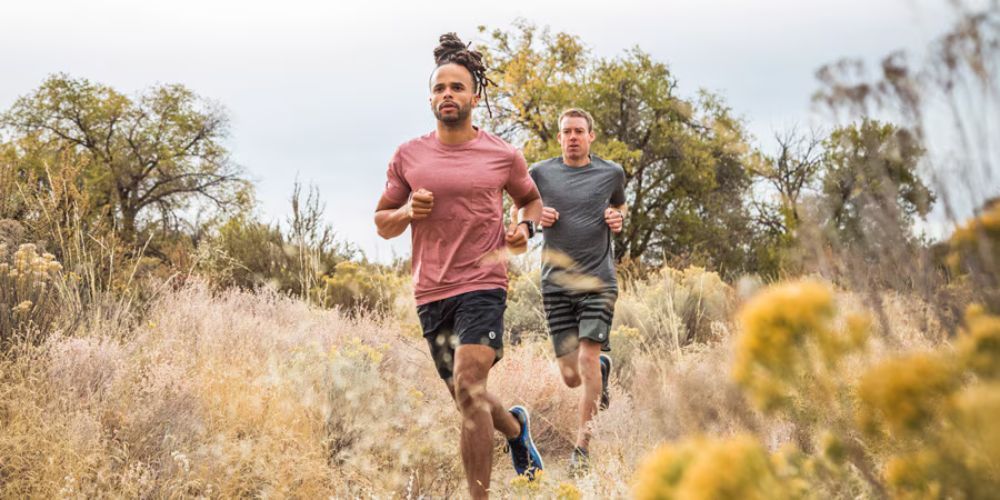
<point x="523" y="486"/>
<point x="790" y="337"/>
<point x="979" y="344"/>
<point x="356" y="349"/>
<point x="702" y="468"/>
<point x="958" y="458"/>
<point x="974" y="254"/>
<point x="567" y="491"/>
<point x="973" y="443"/>
<point x="905" y="393"/>
<point x="28" y="292"/>
<point x="935" y="422"/>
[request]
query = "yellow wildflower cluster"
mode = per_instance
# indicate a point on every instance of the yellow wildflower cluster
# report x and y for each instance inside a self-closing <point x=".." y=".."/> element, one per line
<point x="979" y="345"/>
<point x="356" y="349"/>
<point x="974" y="255"/>
<point x="701" y="468"/>
<point x="624" y="333"/>
<point x="541" y="487"/>
<point x="938" y="421"/>
<point x="910" y="392"/>
<point x="904" y="393"/>
<point x="957" y="460"/>
<point x="987" y="224"/>
<point x="412" y="329"/>
<point x="523" y="485"/>
<point x="567" y="491"/>
<point x="787" y="330"/>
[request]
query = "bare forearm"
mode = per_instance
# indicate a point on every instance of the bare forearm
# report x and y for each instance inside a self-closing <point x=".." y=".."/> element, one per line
<point x="392" y="222"/>
<point x="531" y="211"/>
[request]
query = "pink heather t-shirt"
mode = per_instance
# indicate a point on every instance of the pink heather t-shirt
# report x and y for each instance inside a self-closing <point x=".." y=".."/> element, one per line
<point x="457" y="249"/>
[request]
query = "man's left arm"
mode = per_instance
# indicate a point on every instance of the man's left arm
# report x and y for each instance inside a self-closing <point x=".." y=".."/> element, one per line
<point x="614" y="215"/>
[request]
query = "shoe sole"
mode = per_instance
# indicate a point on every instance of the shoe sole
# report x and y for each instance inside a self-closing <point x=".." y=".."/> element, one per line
<point x="527" y="425"/>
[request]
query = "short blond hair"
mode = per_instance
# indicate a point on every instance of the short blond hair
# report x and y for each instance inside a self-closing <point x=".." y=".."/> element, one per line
<point x="576" y="113"/>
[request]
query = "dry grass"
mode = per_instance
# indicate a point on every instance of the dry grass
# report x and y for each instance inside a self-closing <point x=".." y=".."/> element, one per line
<point x="253" y="394"/>
<point x="231" y="395"/>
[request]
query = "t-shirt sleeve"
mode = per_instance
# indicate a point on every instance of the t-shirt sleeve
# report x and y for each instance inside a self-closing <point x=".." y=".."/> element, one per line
<point x="519" y="183"/>
<point x="618" y="195"/>
<point x="397" y="190"/>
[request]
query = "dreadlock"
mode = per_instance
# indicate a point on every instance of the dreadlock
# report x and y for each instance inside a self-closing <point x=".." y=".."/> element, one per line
<point x="452" y="50"/>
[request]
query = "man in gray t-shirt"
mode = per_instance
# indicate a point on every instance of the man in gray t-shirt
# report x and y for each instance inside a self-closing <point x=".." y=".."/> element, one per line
<point x="583" y="200"/>
<point x="579" y="255"/>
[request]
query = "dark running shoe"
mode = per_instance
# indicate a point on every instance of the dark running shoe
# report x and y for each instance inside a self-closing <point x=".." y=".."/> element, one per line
<point x="522" y="449"/>
<point x="605" y="376"/>
<point x="579" y="463"/>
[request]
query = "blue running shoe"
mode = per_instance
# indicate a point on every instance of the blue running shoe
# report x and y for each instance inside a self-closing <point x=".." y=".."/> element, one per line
<point x="522" y="449"/>
<point x="605" y="375"/>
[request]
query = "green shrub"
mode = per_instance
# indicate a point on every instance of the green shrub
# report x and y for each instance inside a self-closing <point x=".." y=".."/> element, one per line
<point x="675" y="308"/>
<point x="358" y="286"/>
<point x="525" y="315"/>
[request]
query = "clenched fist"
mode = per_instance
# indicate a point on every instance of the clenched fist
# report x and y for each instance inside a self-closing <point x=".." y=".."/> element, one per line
<point x="549" y="216"/>
<point x="615" y="219"/>
<point x="420" y="204"/>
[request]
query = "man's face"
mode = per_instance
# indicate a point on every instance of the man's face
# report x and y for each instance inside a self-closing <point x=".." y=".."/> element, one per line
<point x="575" y="137"/>
<point x="452" y="98"/>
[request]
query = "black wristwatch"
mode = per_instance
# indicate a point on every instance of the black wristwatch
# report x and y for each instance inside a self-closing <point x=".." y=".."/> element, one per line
<point x="531" y="227"/>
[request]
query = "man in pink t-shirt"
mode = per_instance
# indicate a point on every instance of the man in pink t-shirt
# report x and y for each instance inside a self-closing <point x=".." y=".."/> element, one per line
<point x="447" y="187"/>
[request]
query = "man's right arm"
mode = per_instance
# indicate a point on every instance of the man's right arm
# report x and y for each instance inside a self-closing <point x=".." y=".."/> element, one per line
<point x="391" y="220"/>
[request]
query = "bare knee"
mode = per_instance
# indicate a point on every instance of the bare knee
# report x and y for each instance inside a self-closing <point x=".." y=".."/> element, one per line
<point x="469" y="391"/>
<point x="569" y="371"/>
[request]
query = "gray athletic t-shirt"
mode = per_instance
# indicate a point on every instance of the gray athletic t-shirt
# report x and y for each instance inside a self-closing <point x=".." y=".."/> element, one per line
<point x="578" y="254"/>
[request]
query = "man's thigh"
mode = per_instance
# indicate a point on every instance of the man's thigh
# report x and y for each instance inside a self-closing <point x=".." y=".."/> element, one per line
<point x="563" y="322"/>
<point x="470" y="318"/>
<point x="596" y="312"/>
<point x="437" y="320"/>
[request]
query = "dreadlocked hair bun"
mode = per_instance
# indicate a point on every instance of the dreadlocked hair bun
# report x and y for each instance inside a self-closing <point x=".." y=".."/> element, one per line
<point x="451" y="49"/>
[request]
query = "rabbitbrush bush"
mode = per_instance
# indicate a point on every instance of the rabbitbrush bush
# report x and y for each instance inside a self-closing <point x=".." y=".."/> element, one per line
<point x="29" y="293"/>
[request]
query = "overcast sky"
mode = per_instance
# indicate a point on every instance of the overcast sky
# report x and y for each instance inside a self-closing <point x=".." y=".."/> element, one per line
<point x="327" y="91"/>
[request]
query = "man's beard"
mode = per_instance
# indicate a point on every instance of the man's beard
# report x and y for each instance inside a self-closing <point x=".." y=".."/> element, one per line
<point x="460" y="115"/>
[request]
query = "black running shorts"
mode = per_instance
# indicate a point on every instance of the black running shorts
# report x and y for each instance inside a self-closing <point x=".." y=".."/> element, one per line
<point x="470" y="318"/>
